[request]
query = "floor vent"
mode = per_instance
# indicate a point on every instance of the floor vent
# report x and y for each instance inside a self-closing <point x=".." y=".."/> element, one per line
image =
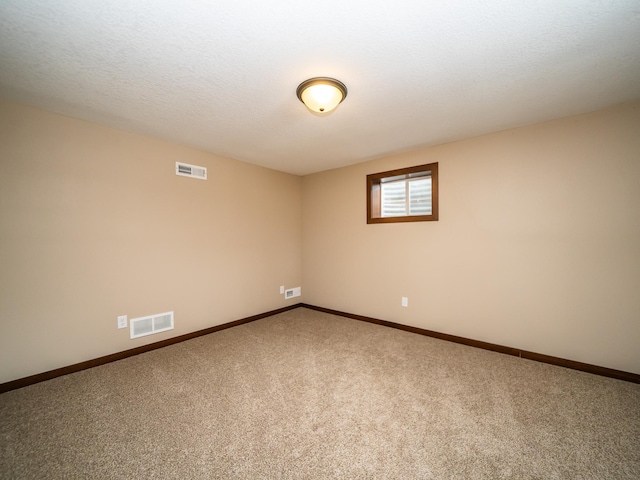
<point x="152" y="324"/>
<point x="193" y="171"/>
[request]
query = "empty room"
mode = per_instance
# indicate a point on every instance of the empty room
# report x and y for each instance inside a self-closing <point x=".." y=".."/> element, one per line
<point x="245" y="240"/>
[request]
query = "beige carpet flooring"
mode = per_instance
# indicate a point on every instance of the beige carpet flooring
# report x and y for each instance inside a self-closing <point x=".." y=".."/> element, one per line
<point x="309" y="395"/>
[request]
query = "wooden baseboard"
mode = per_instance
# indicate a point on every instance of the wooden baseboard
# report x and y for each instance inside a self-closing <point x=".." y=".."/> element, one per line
<point x="583" y="367"/>
<point x="538" y="357"/>
<point x="58" y="372"/>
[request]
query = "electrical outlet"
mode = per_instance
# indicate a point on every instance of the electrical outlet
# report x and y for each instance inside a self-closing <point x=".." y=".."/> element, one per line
<point x="122" y="321"/>
<point x="405" y="302"/>
<point x="281" y="289"/>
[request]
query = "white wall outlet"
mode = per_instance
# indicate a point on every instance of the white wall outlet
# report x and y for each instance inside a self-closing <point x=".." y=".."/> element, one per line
<point x="405" y="302"/>
<point x="292" y="292"/>
<point x="122" y="321"/>
<point x="281" y="289"/>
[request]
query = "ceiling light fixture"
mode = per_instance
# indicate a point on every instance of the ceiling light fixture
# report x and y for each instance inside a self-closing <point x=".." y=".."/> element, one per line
<point x="321" y="94"/>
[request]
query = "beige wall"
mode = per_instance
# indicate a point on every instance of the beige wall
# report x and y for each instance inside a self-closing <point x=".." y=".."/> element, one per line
<point x="537" y="247"/>
<point x="94" y="223"/>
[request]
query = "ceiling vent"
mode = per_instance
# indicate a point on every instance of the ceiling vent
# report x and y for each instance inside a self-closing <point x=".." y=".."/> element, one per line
<point x="152" y="324"/>
<point x="193" y="171"/>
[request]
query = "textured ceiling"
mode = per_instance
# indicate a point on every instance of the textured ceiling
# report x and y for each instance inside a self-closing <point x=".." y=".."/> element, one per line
<point x="221" y="75"/>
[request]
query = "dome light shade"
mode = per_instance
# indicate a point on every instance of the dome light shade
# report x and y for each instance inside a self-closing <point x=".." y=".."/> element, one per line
<point x="321" y="94"/>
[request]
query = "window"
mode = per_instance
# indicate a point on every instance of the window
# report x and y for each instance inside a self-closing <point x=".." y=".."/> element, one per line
<point x="404" y="195"/>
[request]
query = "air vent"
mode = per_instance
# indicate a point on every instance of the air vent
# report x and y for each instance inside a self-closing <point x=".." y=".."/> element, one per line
<point x="292" y="292"/>
<point x="193" y="171"/>
<point x="152" y="324"/>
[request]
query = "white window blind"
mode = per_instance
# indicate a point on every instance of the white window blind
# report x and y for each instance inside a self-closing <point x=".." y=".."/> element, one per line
<point x="410" y="196"/>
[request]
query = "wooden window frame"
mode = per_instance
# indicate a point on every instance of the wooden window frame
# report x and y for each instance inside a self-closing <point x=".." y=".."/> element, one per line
<point x="374" y="180"/>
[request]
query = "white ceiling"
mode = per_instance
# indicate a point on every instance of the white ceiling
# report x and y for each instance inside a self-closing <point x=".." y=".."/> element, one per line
<point x="221" y="75"/>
